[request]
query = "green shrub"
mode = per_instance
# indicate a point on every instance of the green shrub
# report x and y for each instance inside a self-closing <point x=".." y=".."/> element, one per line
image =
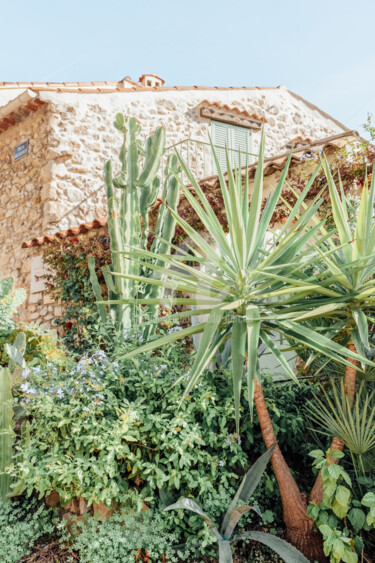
<point x="127" y="538"/>
<point x="21" y="525"/>
<point x="102" y="429"/>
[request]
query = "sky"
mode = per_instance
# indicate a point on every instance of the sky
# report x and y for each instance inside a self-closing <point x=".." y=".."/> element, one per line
<point x="322" y="50"/>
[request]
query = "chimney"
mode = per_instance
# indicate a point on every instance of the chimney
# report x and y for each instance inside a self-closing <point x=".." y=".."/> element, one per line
<point x="151" y="81"/>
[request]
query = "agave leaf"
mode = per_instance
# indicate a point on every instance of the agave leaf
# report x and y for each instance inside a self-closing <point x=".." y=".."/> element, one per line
<point x="248" y="485"/>
<point x="235" y="517"/>
<point x="284" y="549"/>
<point x="188" y="504"/>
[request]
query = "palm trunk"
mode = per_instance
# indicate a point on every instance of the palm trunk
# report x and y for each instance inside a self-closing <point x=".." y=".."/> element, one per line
<point x="299" y="527"/>
<point x="316" y="494"/>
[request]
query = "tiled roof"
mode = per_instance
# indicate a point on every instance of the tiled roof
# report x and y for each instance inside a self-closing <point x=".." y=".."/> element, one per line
<point x="114" y="86"/>
<point x="225" y="107"/>
<point x="18" y="108"/>
<point x="80" y="230"/>
<point x="271" y="165"/>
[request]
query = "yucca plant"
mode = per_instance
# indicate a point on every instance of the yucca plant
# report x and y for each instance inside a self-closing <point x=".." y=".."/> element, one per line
<point x="252" y="288"/>
<point x="353" y="424"/>
<point x="232" y="516"/>
<point x="349" y="267"/>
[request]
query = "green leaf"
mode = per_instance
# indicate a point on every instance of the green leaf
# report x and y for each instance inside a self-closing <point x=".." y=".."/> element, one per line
<point x="316" y="453"/>
<point x="238" y="362"/>
<point x="369" y="500"/>
<point x="282" y="548"/>
<point x="336" y="454"/>
<point x="335" y="470"/>
<point x="253" y="330"/>
<point x="357" y="518"/>
<point x="343" y="495"/>
<point x="188" y="504"/>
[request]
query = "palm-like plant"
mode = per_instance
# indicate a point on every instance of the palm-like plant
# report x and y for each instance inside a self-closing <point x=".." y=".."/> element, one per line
<point x="349" y="268"/>
<point x="353" y="424"/>
<point x="251" y="287"/>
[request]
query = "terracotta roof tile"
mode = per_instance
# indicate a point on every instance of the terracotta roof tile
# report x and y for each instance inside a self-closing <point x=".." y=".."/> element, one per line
<point x="236" y="110"/>
<point x="115" y="84"/>
<point x="81" y="229"/>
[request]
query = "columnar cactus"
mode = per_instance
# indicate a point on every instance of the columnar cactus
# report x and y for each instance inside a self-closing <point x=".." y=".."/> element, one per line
<point x="130" y="198"/>
<point x="6" y="430"/>
<point x="15" y="353"/>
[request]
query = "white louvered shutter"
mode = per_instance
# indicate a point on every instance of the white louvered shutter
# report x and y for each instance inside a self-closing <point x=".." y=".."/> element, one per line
<point x="220" y="133"/>
<point x="234" y="138"/>
<point x="241" y="144"/>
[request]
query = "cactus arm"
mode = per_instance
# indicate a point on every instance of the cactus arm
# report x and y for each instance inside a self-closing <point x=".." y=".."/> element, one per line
<point x="6" y="431"/>
<point x="154" y="152"/>
<point x="164" y="231"/>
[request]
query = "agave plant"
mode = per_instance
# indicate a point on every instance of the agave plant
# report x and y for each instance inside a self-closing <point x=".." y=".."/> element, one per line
<point x="354" y="425"/>
<point x="235" y="511"/>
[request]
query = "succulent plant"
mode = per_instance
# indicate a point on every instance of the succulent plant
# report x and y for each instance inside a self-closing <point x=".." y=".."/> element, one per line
<point x="232" y="516"/>
<point x="15" y="353"/>
<point x="130" y="199"/>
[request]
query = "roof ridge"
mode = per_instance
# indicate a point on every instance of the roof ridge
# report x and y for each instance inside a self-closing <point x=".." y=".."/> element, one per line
<point x="118" y="84"/>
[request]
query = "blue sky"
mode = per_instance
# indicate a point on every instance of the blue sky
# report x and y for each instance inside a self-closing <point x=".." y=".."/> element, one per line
<point x="323" y="50"/>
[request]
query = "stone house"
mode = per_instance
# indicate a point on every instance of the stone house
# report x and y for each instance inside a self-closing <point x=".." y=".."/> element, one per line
<point x="54" y="139"/>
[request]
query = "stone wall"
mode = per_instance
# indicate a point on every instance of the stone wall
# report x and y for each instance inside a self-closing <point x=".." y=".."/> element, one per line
<point x="84" y="137"/>
<point x="21" y="185"/>
<point x="60" y="183"/>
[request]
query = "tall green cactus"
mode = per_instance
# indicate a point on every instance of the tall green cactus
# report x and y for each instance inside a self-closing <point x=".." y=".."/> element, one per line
<point x="6" y="430"/>
<point x="15" y="353"/>
<point x="130" y="198"/>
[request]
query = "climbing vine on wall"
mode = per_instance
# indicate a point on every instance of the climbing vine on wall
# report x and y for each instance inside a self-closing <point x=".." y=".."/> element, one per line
<point x="69" y="284"/>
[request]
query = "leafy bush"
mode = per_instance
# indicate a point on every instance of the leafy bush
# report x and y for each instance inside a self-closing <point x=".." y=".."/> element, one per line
<point x="124" y="537"/>
<point x="20" y="527"/>
<point x="69" y="283"/>
<point x="346" y="516"/>
<point x="101" y="429"/>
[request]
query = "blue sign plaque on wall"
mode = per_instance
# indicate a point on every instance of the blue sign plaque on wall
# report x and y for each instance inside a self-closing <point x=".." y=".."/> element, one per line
<point x="21" y="150"/>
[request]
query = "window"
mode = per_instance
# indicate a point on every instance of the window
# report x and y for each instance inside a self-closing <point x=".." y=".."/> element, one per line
<point x="236" y="139"/>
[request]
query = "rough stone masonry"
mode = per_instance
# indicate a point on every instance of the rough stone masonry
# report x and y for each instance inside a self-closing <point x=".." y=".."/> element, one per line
<point x="70" y="134"/>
